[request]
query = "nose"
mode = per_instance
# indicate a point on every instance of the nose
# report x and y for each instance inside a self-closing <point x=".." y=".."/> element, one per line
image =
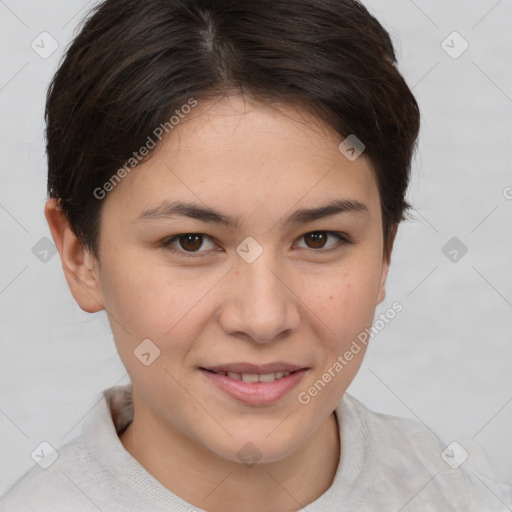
<point x="261" y="304"/>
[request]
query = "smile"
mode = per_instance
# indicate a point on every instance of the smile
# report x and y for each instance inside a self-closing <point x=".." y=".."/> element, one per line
<point x="254" y="385"/>
<point x="254" y="377"/>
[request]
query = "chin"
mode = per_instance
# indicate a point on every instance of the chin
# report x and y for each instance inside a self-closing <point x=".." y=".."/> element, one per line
<point x="251" y="450"/>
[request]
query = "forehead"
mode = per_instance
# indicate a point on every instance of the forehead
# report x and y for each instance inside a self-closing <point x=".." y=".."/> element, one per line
<point x="247" y="155"/>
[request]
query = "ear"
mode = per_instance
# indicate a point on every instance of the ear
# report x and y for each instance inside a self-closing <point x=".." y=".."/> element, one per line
<point x="79" y="265"/>
<point x="381" y="293"/>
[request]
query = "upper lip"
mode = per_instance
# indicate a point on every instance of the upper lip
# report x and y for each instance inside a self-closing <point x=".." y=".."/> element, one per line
<point x="260" y="369"/>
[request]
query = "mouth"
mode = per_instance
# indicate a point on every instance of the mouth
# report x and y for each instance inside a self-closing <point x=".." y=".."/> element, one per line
<point x="255" y="384"/>
<point x="252" y="378"/>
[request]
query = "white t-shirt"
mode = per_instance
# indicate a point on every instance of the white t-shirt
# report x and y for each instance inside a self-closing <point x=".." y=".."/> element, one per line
<point x="386" y="464"/>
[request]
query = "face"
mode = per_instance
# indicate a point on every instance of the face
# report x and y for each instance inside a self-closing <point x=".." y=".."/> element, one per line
<point x="246" y="248"/>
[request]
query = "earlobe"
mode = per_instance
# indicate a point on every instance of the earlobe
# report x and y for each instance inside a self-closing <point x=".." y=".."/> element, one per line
<point x="381" y="294"/>
<point x="79" y="265"/>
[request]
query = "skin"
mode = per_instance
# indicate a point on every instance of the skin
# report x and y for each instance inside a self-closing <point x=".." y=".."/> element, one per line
<point x="294" y="303"/>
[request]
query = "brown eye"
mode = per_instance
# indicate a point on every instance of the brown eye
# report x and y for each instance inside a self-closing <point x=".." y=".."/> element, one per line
<point x="190" y="242"/>
<point x="323" y="242"/>
<point x="316" y="240"/>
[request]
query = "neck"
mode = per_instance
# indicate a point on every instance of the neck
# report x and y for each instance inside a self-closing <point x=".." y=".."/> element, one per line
<point x="209" y="482"/>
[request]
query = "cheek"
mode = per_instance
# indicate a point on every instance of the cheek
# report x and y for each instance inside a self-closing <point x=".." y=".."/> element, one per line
<point x="147" y="299"/>
<point x="140" y="300"/>
<point x="345" y="303"/>
<point x="346" y="300"/>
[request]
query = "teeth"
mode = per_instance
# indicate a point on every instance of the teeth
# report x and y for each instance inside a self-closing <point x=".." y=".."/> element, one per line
<point x="251" y="378"/>
<point x="267" y="377"/>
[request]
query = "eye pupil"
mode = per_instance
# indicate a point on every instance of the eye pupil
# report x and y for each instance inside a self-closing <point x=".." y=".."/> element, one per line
<point x="191" y="242"/>
<point x="316" y="240"/>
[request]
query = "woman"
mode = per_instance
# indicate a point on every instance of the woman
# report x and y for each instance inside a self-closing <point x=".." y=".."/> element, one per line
<point x="226" y="179"/>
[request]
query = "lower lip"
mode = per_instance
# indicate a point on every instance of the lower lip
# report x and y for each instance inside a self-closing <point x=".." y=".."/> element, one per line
<point x="257" y="393"/>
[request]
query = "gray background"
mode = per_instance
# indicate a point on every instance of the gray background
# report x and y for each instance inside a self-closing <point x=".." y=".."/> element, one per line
<point x="445" y="359"/>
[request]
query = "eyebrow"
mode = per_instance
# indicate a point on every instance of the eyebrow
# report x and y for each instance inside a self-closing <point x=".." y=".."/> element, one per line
<point x="167" y="210"/>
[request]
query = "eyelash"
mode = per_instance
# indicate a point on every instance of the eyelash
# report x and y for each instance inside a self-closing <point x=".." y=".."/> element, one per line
<point x="343" y="239"/>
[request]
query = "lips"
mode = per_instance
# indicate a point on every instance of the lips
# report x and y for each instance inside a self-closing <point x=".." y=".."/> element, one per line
<point x="252" y="373"/>
<point x="254" y="377"/>
<point x="260" y="369"/>
<point x="255" y="384"/>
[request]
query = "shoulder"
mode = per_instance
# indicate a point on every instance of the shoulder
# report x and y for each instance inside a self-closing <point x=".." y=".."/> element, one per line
<point x="385" y="433"/>
<point x="54" y="488"/>
<point x="411" y="460"/>
<point x="84" y="474"/>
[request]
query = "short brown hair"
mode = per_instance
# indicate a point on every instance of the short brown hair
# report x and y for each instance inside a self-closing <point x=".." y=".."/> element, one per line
<point x="134" y="63"/>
